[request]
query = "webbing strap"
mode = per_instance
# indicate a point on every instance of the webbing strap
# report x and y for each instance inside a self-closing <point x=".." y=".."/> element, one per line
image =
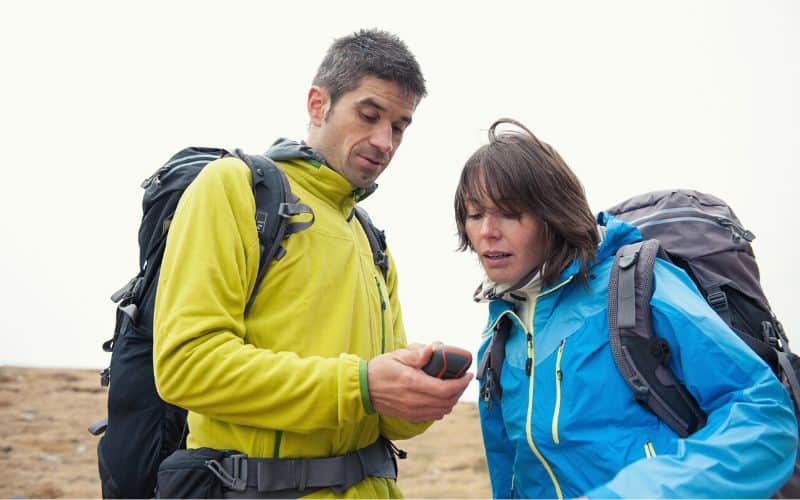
<point x="626" y="293"/>
<point x="791" y="377"/>
<point x="282" y="477"/>
<point x="291" y="209"/>
<point x="376" y="238"/>
<point x="491" y="365"/>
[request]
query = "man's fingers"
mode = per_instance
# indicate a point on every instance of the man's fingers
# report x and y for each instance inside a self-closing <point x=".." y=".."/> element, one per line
<point x="415" y="356"/>
<point x="442" y="389"/>
<point x="399" y="388"/>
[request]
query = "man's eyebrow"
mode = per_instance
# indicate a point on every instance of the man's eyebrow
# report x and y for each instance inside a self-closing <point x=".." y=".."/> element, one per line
<point x="369" y="101"/>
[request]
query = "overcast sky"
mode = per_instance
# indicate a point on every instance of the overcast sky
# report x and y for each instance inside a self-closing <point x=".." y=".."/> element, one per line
<point x="635" y="95"/>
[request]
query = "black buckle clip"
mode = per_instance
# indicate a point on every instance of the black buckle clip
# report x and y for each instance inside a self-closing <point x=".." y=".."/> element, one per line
<point x="718" y="300"/>
<point x="237" y="478"/>
<point x="771" y="335"/>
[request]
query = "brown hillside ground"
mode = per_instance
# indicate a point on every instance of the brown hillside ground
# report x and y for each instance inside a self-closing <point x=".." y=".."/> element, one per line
<point x="46" y="451"/>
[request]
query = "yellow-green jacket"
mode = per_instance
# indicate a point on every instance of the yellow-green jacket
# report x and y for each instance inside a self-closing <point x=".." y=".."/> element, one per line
<point x="289" y="379"/>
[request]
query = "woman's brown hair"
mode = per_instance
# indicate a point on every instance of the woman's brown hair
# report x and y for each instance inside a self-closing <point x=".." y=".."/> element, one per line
<point x="521" y="174"/>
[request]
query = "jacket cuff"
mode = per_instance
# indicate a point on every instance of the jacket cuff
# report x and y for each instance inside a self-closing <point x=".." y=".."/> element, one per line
<point x="364" y="385"/>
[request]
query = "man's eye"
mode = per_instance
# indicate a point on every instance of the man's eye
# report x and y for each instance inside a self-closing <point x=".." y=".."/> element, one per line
<point x="474" y="216"/>
<point x="510" y="215"/>
<point x="369" y="118"/>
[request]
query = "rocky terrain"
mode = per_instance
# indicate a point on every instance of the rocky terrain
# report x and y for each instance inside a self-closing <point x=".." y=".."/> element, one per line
<point x="46" y="451"/>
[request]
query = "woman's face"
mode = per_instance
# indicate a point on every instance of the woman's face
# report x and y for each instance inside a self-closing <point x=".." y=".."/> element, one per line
<point x="508" y="245"/>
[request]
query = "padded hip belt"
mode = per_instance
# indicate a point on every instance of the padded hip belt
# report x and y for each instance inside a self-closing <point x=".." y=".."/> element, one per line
<point x="291" y="477"/>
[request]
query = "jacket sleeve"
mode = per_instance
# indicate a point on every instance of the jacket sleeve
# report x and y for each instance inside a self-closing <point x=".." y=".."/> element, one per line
<point x="748" y="446"/>
<point x="201" y="361"/>
<point x="499" y="448"/>
<point x="395" y="428"/>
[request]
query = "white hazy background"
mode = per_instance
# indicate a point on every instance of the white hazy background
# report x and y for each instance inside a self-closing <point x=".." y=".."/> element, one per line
<point x="635" y="95"/>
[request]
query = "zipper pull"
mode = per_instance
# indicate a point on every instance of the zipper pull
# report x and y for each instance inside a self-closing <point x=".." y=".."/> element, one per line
<point x="155" y="178"/>
<point x="529" y="361"/>
<point x="380" y="293"/>
<point x="737" y="231"/>
<point x="488" y="389"/>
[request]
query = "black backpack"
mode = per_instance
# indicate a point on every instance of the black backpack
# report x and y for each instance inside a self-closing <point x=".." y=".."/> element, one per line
<point x="141" y="430"/>
<point x="700" y="234"/>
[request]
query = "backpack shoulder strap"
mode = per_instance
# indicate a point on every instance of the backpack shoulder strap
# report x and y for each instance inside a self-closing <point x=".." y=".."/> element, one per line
<point x="377" y="240"/>
<point x="275" y="205"/>
<point x="491" y="365"/>
<point x="641" y="356"/>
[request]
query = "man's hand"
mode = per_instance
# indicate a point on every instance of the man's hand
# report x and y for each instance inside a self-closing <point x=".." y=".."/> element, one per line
<point x="399" y="388"/>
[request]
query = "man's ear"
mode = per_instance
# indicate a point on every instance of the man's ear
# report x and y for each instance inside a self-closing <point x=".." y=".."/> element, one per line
<point x="318" y="104"/>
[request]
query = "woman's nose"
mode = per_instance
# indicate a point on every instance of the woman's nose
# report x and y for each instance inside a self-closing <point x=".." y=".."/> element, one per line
<point x="489" y="227"/>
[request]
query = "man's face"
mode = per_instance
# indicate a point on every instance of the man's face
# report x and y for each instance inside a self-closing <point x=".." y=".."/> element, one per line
<point x="360" y="134"/>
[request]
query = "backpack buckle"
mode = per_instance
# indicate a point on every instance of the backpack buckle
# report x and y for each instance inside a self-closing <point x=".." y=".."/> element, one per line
<point x="105" y="377"/>
<point x="718" y="300"/>
<point x="236" y="477"/>
<point x="770" y="334"/>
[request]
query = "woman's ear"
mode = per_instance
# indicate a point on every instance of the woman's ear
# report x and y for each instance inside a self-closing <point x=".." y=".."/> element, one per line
<point x="318" y="104"/>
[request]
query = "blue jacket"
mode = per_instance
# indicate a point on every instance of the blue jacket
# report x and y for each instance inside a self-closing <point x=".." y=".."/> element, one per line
<point x="572" y="428"/>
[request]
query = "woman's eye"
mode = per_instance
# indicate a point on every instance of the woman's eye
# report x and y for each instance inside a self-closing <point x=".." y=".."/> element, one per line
<point x="474" y="216"/>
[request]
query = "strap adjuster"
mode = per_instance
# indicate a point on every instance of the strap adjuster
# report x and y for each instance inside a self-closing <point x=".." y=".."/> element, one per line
<point x="237" y="478"/>
<point x="771" y="335"/>
<point x="718" y="300"/>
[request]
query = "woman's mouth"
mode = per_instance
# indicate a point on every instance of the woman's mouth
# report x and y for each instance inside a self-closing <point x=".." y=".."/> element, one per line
<point x="496" y="255"/>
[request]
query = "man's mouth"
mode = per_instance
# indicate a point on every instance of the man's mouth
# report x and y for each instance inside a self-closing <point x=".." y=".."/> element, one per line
<point x="373" y="161"/>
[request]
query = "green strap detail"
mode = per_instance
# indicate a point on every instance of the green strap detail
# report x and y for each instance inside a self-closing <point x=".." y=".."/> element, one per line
<point x="363" y="382"/>
<point x="276" y="453"/>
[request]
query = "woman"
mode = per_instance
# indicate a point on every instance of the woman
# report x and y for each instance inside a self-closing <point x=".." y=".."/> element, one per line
<point x="563" y="422"/>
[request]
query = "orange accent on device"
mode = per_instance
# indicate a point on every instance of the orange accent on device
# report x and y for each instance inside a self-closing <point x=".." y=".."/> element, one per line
<point x="448" y="362"/>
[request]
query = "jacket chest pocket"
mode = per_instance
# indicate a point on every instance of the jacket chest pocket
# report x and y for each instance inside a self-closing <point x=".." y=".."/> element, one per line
<point x="558" y="376"/>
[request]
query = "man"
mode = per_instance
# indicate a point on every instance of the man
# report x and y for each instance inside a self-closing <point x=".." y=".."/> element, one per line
<point x="318" y="367"/>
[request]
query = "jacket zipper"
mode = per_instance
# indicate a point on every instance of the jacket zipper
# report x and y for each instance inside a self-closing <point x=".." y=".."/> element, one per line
<point x="530" y="373"/>
<point x="383" y="315"/>
<point x="559" y="376"/>
<point x="649" y="450"/>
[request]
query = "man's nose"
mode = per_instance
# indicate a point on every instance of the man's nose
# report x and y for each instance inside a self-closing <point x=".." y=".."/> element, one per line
<point x="381" y="138"/>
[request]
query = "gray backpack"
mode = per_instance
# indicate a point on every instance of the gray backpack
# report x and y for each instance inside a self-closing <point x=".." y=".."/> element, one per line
<point x="701" y="234"/>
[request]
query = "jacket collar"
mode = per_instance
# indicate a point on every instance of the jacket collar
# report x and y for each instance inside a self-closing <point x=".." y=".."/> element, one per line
<point x="488" y="290"/>
<point x="288" y="150"/>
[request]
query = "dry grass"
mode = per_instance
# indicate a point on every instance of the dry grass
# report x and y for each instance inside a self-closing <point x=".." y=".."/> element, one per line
<point x="46" y="452"/>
